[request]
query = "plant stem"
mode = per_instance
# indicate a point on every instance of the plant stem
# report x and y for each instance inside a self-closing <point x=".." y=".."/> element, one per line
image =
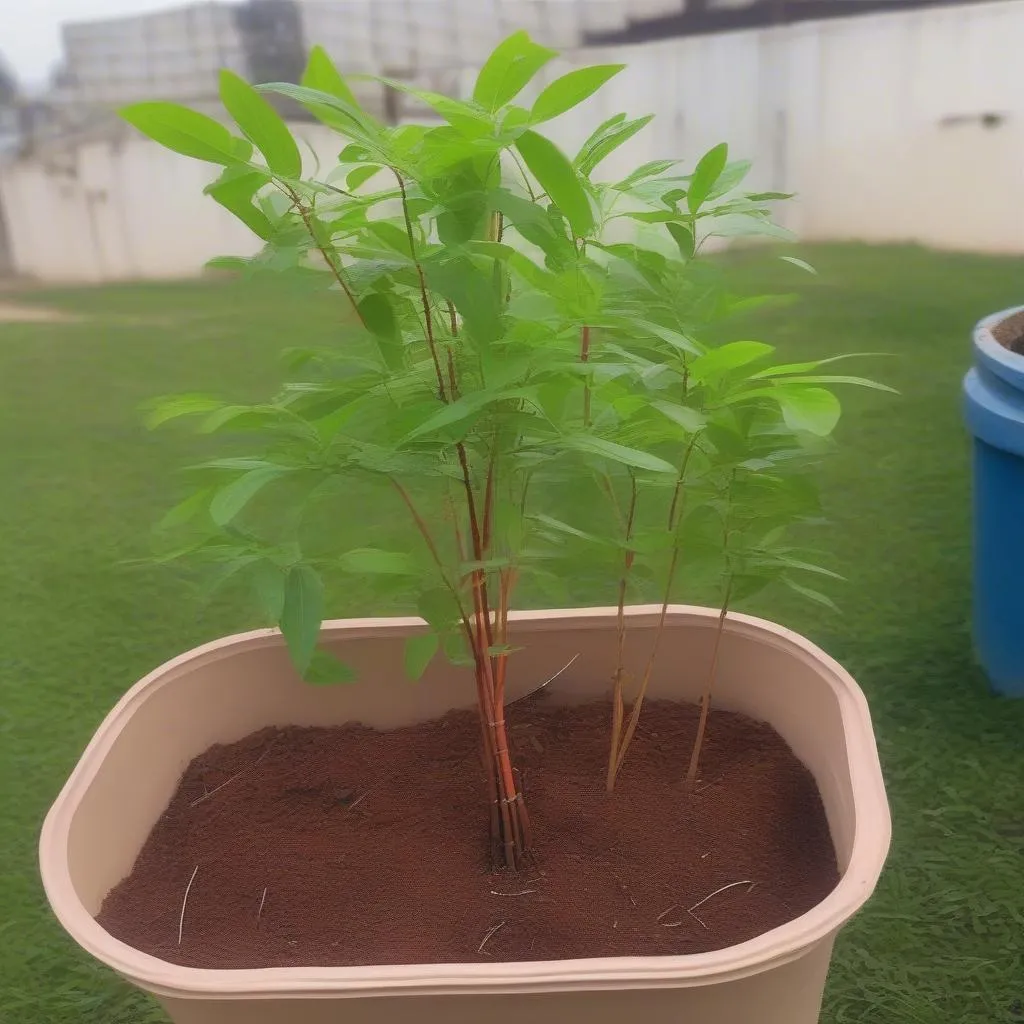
<point x="330" y="260"/>
<point x="522" y="171"/>
<point x="424" y="530"/>
<point x="428" y="316"/>
<point x="634" y="715"/>
<point x="620" y="665"/>
<point x="510" y="831"/>
<point x="705" y="702"/>
<point x="585" y="357"/>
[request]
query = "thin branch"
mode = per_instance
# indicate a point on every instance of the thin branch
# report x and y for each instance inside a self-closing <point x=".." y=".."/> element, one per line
<point x="522" y="171"/>
<point x="673" y="519"/>
<point x="431" y="546"/>
<point x="428" y="315"/>
<point x="330" y="260"/>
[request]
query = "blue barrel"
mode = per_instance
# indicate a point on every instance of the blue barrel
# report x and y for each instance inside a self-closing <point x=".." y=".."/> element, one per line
<point x="994" y="400"/>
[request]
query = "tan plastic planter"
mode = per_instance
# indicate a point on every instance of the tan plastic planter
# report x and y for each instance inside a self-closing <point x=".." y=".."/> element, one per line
<point x="227" y="689"/>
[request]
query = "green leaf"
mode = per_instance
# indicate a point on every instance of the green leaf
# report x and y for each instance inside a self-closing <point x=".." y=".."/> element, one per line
<point x="268" y="582"/>
<point x="684" y="239"/>
<point x="786" y="369"/>
<point x="619" y="453"/>
<point x="571" y="89"/>
<point x="185" y="511"/>
<point x="673" y="338"/>
<point x="832" y="378"/>
<point x="186" y="131"/>
<point x="795" y="563"/>
<point x="651" y="216"/>
<point x="508" y="69"/>
<point x="730" y="177"/>
<point x="691" y="420"/>
<point x="322" y="75"/>
<point x="606" y="139"/>
<point x="708" y="171"/>
<point x="337" y="113"/>
<point x="802" y="264"/>
<point x="560" y="527"/>
<point x="361" y="175"/>
<point x="160" y="410"/>
<point x="729" y="357"/>
<point x="420" y="649"/>
<point x="814" y="410"/>
<point x="301" y="614"/>
<point x="438" y="608"/>
<point x="325" y="669"/>
<point x="812" y="595"/>
<point x="461" y="409"/>
<point x="469" y="121"/>
<point x="379" y="317"/>
<point x="230" y="500"/>
<point x="649" y="170"/>
<point x="235" y="190"/>
<point x="552" y="169"/>
<point x="261" y="124"/>
<point x="373" y="561"/>
<point x="532" y="221"/>
<point x="472" y="293"/>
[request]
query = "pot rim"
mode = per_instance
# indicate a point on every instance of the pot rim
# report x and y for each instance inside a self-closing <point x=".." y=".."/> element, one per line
<point x="771" y="949"/>
<point x="994" y="357"/>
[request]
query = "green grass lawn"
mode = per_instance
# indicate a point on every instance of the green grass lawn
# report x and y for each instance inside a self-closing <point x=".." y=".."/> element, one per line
<point x="82" y="481"/>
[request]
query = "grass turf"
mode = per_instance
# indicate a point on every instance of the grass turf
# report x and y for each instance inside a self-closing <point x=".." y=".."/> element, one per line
<point x="82" y="483"/>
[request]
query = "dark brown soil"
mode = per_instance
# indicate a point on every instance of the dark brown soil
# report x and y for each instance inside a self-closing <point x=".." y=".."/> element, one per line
<point x="1010" y="333"/>
<point x="350" y="846"/>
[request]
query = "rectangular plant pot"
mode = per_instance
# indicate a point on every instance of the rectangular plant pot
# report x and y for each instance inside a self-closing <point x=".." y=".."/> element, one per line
<point x="225" y="690"/>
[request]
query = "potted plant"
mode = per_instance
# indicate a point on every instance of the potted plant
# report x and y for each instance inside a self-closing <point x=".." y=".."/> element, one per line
<point x="539" y="403"/>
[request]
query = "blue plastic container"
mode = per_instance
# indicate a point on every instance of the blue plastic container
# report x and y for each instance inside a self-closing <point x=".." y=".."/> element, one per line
<point x="994" y="400"/>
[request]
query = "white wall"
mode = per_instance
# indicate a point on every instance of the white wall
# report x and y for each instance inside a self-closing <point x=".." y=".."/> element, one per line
<point x="875" y="122"/>
<point x="107" y="211"/>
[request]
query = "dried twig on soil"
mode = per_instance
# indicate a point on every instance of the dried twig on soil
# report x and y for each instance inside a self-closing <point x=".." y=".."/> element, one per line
<point x="668" y="910"/>
<point x="188" y="889"/>
<point x="263" y="900"/>
<point x="487" y="937"/>
<point x="358" y="800"/>
<point x="699" y="903"/>
<point x="217" y="789"/>
<point x="537" y="689"/>
<point x="731" y="885"/>
<point x="521" y="892"/>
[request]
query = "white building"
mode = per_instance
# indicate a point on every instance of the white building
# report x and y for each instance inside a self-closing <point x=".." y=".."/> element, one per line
<point x="891" y="127"/>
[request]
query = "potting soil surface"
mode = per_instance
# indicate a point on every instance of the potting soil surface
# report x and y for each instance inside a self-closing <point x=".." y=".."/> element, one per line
<point x="345" y="846"/>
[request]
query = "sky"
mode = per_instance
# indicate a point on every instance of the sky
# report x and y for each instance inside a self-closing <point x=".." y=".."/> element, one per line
<point x="30" y="29"/>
